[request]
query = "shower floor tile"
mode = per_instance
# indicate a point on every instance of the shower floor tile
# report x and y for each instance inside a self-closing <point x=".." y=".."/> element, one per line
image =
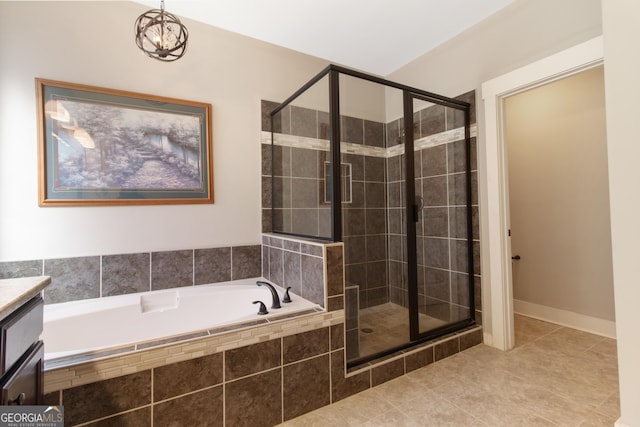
<point x="386" y="326"/>
<point x="555" y="376"/>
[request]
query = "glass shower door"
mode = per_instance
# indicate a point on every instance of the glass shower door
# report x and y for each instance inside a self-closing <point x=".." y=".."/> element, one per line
<point x="439" y="283"/>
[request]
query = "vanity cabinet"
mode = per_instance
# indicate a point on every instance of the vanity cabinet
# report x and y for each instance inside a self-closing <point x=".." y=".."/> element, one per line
<point x="22" y="355"/>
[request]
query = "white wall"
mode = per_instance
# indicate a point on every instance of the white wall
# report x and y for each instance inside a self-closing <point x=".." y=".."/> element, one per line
<point x="622" y="64"/>
<point x="92" y="43"/>
<point x="515" y="36"/>
<point x="559" y="196"/>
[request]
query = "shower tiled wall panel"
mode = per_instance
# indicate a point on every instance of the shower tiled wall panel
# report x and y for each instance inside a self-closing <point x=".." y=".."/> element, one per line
<point x="298" y="174"/>
<point x="299" y="179"/>
<point x="364" y="229"/>
<point x="374" y="229"/>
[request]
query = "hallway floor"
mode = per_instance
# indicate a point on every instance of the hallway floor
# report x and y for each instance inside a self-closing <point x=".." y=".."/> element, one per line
<point x="555" y="376"/>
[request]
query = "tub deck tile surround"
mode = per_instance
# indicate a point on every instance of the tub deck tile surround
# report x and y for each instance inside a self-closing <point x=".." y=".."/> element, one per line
<point x="202" y="408"/>
<point x="252" y="359"/>
<point x="16" y="269"/>
<point x="138" y="418"/>
<point x="253" y="376"/>
<point x="301" y="364"/>
<point x="97" y="400"/>
<point x="98" y="276"/>
<point x="255" y="400"/>
<point x="59" y="377"/>
<point x="171" y="269"/>
<point x="305" y="345"/>
<point x="72" y="278"/>
<point x="125" y="274"/>
<point x="306" y="386"/>
<point x="212" y="265"/>
<point x="183" y="377"/>
<point x="245" y="261"/>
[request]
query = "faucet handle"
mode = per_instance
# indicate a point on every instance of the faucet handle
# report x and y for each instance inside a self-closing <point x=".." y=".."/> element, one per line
<point x="262" y="309"/>
<point x="286" y="297"/>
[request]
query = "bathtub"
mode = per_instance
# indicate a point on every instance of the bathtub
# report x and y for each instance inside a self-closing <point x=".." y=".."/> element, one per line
<point x="135" y="321"/>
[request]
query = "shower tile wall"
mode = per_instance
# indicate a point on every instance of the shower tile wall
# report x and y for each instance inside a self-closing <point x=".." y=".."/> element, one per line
<point x="364" y="218"/>
<point x="373" y="221"/>
<point x="299" y="175"/>
<point x="397" y="263"/>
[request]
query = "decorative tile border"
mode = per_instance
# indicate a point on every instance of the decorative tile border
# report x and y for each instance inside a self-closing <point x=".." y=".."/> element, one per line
<point x="295" y="141"/>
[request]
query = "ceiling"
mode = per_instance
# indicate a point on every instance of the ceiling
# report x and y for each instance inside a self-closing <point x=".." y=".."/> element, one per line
<point x="376" y="36"/>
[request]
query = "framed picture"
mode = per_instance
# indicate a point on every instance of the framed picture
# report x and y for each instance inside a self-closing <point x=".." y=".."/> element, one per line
<point x="100" y="146"/>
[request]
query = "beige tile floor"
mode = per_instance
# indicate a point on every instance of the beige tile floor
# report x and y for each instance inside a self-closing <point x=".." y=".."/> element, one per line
<point x="555" y="376"/>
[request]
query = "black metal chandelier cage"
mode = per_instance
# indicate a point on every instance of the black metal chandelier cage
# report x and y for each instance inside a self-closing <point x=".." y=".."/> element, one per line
<point x="161" y="35"/>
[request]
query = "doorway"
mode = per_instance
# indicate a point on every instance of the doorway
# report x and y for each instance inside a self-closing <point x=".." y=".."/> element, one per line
<point x="493" y="189"/>
<point x="555" y="139"/>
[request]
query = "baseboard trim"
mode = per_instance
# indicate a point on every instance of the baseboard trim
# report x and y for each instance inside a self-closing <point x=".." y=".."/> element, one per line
<point x="487" y="338"/>
<point x="570" y="319"/>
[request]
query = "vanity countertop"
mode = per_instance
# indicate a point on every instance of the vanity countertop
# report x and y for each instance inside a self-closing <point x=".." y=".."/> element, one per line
<point x="15" y="292"/>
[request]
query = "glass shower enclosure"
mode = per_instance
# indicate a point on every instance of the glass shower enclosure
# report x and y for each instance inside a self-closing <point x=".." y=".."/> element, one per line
<point x="386" y="169"/>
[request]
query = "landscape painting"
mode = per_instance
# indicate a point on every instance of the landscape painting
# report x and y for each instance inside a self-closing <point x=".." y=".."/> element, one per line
<point x="105" y="147"/>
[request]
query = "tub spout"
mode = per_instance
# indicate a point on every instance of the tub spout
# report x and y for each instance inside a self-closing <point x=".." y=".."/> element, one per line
<point x="274" y="293"/>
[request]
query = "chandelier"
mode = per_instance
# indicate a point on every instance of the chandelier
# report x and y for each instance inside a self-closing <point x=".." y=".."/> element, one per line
<point x="161" y="35"/>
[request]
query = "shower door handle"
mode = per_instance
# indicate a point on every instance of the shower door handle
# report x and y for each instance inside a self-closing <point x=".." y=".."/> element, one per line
<point x="417" y="208"/>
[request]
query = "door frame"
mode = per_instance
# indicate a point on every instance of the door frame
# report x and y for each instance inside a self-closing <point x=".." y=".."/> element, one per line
<point x="493" y="192"/>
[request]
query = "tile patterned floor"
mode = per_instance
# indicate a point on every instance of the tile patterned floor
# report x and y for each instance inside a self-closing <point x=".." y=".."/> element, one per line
<point x="555" y="376"/>
<point x="389" y="327"/>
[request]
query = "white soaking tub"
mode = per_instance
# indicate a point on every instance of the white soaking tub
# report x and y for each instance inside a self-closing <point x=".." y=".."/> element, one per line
<point x="143" y="320"/>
